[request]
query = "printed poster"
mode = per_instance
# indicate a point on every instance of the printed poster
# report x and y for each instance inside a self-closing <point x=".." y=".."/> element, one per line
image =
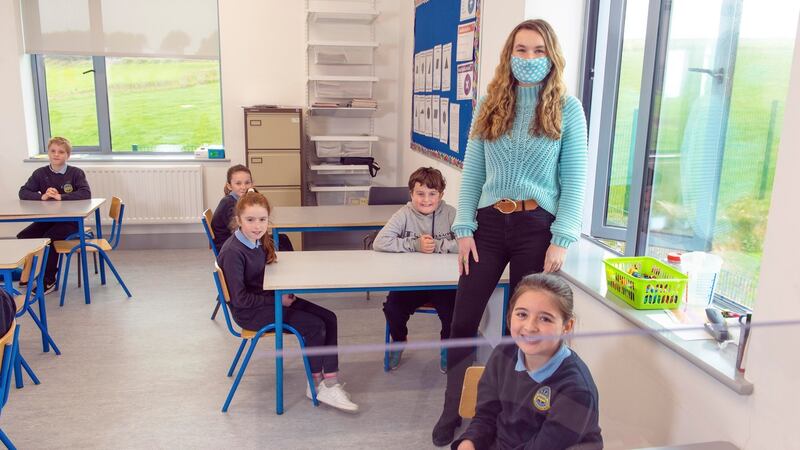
<point x="437" y="68"/>
<point x="466" y="81"/>
<point x="466" y="41"/>
<point x="444" y="113"/>
<point x="454" y="127"/>
<point x="447" y="63"/>
<point x="435" y="101"/>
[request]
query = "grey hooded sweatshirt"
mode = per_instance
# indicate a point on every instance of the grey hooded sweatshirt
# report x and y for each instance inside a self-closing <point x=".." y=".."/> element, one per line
<point x="401" y="234"/>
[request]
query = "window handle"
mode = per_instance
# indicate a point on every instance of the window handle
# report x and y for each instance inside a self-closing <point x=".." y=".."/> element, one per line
<point x="718" y="75"/>
<point x="90" y="70"/>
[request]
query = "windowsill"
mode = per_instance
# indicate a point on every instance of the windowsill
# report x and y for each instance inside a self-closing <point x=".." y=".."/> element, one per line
<point x="584" y="268"/>
<point x="127" y="158"/>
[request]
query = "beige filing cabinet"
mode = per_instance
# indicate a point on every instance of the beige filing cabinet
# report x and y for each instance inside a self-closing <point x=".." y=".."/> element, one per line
<point x="273" y="141"/>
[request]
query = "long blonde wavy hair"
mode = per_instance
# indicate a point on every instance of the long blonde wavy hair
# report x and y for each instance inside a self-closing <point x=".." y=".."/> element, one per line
<point x="496" y="115"/>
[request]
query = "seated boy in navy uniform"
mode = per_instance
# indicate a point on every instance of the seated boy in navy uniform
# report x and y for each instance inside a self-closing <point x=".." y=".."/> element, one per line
<point x="55" y="182"/>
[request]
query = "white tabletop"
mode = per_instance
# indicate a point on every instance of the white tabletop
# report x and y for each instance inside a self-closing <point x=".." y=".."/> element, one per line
<point x="332" y="216"/>
<point x="14" y="251"/>
<point x="37" y="209"/>
<point x="361" y="269"/>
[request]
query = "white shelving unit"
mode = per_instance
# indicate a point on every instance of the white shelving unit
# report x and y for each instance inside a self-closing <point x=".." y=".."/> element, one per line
<point x="340" y="58"/>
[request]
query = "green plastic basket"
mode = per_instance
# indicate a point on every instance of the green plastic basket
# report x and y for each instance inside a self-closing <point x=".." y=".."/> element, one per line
<point x="664" y="291"/>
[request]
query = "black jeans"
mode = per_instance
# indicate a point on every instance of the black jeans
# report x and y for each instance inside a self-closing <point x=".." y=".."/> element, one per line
<point x="56" y="231"/>
<point x="519" y="238"/>
<point x="316" y="324"/>
<point x="400" y="305"/>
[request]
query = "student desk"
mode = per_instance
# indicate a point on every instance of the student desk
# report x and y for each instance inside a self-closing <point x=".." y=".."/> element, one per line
<point x="357" y="271"/>
<point x="330" y="218"/>
<point x="59" y="211"/>
<point x="12" y="255"/>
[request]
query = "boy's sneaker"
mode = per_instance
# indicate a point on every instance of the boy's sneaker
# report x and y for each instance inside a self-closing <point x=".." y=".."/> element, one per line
<point x="334" y="396"/>
<point x="394" y="359"/>
<point x="443" y="360"/>
<point x="49" y="287"/>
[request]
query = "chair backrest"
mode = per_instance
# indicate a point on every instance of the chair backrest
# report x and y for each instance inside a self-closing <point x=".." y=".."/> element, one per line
<point x="206" y="221"/>
<point x="33" y="270"/>
<point x="8" y="348"/>
<point x="222" y="293"/>
<point x="469" y="392"/>
<point x="116" y="213"/>
<point x="382" y="195"/>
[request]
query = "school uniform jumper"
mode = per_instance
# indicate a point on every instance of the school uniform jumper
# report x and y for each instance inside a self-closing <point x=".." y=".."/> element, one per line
<point x="243" y="261"/>
<point x="552" y="408"/>
<point x="223" y="222"/>
<point x="518" y="166"/>
<point x="71" y="183"/>
<point x="401" y="235"/>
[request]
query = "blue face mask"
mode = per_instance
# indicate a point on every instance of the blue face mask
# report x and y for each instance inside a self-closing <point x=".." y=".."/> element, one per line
<point x="530" y="70"/>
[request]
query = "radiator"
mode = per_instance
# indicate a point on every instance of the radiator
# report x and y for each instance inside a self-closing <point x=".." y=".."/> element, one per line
<point x="151" y="194"/>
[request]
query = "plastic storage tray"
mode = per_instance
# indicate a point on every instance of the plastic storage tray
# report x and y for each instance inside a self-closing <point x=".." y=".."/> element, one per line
<point x="340" y="194"/>
<point x="664" y="290"/>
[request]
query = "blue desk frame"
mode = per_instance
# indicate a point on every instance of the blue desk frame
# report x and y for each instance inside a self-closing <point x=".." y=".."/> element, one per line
<point x="279" y="293"/>
<point x="80" y="221"/>
<point x="278" y="229"/>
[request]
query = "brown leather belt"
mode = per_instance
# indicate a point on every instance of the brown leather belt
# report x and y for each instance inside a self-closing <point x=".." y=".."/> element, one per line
<point x="508" y="206"/>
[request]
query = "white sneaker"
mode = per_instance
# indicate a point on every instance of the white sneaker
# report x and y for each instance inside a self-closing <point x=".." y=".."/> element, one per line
<point x="334" y="396"/>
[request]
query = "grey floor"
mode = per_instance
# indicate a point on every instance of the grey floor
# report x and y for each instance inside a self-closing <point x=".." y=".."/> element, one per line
<point x="149" y="372"/>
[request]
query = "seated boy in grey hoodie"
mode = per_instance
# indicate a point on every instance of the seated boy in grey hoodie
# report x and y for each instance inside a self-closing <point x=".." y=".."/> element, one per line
<point x="422" y="225"/>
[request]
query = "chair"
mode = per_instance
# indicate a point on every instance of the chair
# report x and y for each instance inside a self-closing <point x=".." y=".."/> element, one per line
<point x="101" y="246"/>
<point x="206" y="221"/>
<point x="253" y="336"/>
<point x="469" y="392"/>
<point x="9" y="347"/>
<point x="424" y="309"/>
<point x="33" y="272"/>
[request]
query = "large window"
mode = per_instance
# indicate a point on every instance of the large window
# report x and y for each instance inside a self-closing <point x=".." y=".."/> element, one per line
<point x="687" y="150"/>
<point x="114" y="104"/>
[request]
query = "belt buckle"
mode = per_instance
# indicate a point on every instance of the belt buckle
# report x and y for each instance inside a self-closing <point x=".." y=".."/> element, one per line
<point x="506" y="206"/>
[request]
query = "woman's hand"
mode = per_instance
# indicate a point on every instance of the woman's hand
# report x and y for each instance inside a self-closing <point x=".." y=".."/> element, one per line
<point x="466" y="245"/>
<point x="466" y="444"/>
<point x="554" y="258"/>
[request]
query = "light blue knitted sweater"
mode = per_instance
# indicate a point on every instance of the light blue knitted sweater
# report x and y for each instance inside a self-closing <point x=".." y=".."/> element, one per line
<point x="521" y="166"/>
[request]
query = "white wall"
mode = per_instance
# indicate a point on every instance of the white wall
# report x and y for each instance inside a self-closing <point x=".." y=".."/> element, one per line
<point x="262" y="60"/>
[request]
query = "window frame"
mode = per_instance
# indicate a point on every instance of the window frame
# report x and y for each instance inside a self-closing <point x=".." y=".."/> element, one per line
<point x="104" y="147"/>
<point x="635" y="234"/>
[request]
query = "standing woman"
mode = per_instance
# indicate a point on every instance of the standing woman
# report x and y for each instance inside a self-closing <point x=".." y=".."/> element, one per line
<point x="522" y="188"/>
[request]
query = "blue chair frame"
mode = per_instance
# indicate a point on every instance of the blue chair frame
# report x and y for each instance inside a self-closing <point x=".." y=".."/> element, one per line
<point x="213" y="246"/>
<point x="10" y="351"/>
<point x="113" y="240"/>
<point x="424" y="309"/>
<point x="37" y="274"/>
<point x="223" y="294"/>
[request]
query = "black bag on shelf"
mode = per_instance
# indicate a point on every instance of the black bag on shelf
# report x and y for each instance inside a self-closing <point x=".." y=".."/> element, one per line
<point x="360" y="161"/>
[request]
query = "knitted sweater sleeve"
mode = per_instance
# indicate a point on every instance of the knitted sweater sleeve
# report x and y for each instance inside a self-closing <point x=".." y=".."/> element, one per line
<point x="571" y="175"/>
<point x="472" y="179"/>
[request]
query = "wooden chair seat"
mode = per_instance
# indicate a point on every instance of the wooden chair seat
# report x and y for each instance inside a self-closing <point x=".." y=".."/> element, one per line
<point x="250" y="334"/>
<point x="19" y="300"/>
<point x="63" y="247"/>
<point x="469" y="392"/>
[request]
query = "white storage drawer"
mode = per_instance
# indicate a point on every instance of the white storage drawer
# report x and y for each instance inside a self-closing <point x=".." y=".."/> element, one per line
<point x="343" y="87"/>
<point x="337" y="146"/>
<point x="351" y="53"/>
<point x="340" y="194"/>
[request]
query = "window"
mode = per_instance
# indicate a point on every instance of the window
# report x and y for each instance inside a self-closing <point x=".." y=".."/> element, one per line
<point x="688" y="141"/>
<point x="129" y="104"/>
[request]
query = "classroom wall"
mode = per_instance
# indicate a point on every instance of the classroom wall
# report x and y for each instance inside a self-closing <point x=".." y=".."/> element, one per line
<point x="262" y="60"/>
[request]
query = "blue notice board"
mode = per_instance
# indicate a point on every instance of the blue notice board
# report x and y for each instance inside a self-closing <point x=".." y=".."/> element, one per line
<point x="446" y="36"/>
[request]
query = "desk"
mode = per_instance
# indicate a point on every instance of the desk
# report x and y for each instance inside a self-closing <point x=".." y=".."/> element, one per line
<point x="330" y="218"/>
<point x="59" y="211"/>
<point x="12" y="255"/>
<point x="356" y="271"/>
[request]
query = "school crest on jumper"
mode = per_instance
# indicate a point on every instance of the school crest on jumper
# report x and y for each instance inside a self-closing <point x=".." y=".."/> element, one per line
<point x="68" y="188"/>
<point x="541" y="399"/>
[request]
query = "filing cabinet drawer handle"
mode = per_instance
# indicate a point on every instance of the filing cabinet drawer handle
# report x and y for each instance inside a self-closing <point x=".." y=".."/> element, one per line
<point x="255" y="123"/>
<point x="257" y="160"/>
